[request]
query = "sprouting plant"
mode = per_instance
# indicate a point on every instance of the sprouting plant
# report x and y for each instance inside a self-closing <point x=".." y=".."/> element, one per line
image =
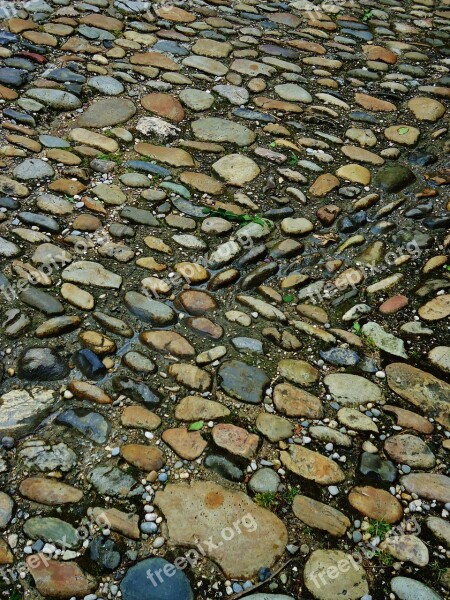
<point x="368" y="14"/>
<point x="378" y="528"/>
<point x="112" y="157"/>
<point x="69" y="199"/>
<point x="385" y="558"/>
<point x="438" y="569"/>
<point x="288" y="298"/>
<point x="447" y="267"/>
<point x="265" y="499"/>
<point x="370" y="342"/>
<point x="290" y="494"/>
<point x="356" y="328"/>
<point x="293" y="160"/>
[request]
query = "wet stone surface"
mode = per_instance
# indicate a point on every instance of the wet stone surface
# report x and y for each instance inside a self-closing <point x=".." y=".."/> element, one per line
<point x="224" y="300"/>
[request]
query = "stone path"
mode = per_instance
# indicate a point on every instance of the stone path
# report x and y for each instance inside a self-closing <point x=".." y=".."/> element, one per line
<point x="225" y="300"/>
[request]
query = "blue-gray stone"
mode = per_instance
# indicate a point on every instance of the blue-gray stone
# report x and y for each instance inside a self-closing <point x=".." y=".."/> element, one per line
<point x="91" y="424"/>
<point x="341" y="357"/>
<point x="51" y="141"/>
<point x="155" y="579"/>
<point x="411" y="589"/>
<point x="142" y="165"/>
<point x="170" y="47"/>
<point x="65" y="76"/>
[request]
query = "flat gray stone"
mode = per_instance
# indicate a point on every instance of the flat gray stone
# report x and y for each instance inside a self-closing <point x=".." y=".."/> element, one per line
<point x="411" y="589"/>
<point x="33" y="168"/>
<point x="87" y="272"/>
<point x="216" y="129"/>
<point x="108" y="111"/>
<point x="56" y="99"/>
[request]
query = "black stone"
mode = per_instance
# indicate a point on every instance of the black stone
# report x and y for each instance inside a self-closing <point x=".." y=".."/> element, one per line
<point x="41" y="364"/>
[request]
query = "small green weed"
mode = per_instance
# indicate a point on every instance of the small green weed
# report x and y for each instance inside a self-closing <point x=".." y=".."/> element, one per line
<point x="384" y="558"/>
<point x="378" y="528"/>
<point x="289" y="495"/>
<point x="293" y="160"/>
<point x="265" y="499"/>
<point x="356" y="328"/>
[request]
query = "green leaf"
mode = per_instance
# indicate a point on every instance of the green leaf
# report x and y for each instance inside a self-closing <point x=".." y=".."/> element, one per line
<point x="447" y="267"/>
<point x="403" y="130"/>
<point x="288" y="298"/>
<point x="356" y="328"/>
<point x="195" y="426"/>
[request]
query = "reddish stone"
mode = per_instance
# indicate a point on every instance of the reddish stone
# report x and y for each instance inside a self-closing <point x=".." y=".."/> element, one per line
<point x="380" y="53"/>
<point x="59" y="579"/>
<point x="376" y="504"/>
<point x="195" y="302"/>
<point x="187" y="444"/>
<point x="49" y="491"/>
<point x="393" y="305"/>
<point x="164" y="105"/>
<point x="235" y="439"/>
<point x="327" y="214"/>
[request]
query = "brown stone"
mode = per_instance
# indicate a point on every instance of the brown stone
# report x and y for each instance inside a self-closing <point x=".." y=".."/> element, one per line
<point x="312" y="466"/>
<point x="295" y="402"/>
<point x="139" y="417"/>
<point x="8" y="94"/>
<point x="59" y="579"/>
<point x="422" y="389"/>
<point x="97" y="342"/>
<point x="328" y="214"/>
<point x="187" y="444"/>
<point x="191" y="376"/>
<point x="282" y="105"/>
<point x="205" y="510"/>
<point x="16" y="25"/>
<point x="323" y="185"/>
<point x="205" y="327"/>
<point x="125" y="523"/>
<point x="164" y="105"/>
<point x="143" y="457"/>
<point x="6" y="556"/>
<point x="49" y="491"/>
<point x="87" y="223"/>
<point x="88" y="391"/>
<point x="175" y="14"/>
<point x="380" y="53"/>
<point x="196" y="303"/>
<point x="102" y="22"/>
<point x="170" y="156"/>
<point x="432" y="486"/>
<point x="321" y="516"/>
<point x="235" y="440"/>
<point x="67" y="186"/>
<point x="375" y="104"/>
<point x="376" y="504"/>
<point x="436" y="309"/>
<point x="155" y="59"/>
<point x="202" y="183"/>
<point x="409" y="419"/>
<point x="193" y="408"/>
<point x="168" y="342"/>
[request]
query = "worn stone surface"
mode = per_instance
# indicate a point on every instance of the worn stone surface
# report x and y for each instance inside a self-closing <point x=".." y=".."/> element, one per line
<point x="212" y="508"/>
